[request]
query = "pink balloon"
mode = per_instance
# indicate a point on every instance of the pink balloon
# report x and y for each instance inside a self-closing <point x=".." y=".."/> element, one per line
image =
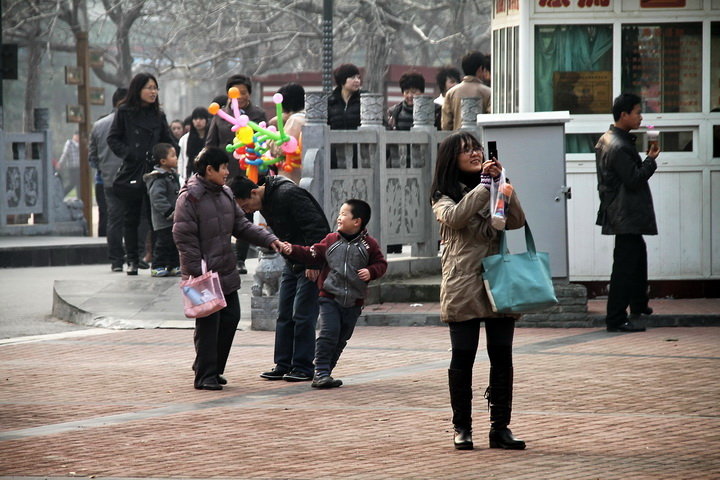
<point x="243" y="120"/>
<point x="290" y="146"/>
<point x="272" y="128"/>
<point x="277" y="98"/>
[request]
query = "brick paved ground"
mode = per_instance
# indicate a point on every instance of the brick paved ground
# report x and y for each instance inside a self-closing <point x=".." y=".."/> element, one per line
<point x="591" y="405"/>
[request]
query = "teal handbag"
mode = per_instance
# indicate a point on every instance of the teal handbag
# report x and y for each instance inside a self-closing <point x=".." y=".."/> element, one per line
<point x="519" y="283"/>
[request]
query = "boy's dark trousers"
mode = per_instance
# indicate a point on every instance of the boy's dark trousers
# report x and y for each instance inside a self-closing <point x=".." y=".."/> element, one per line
<point x="336" y="325"/>
<point x="165" y="253"/>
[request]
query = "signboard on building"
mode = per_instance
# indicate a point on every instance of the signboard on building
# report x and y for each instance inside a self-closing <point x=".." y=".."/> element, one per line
<point x="582" y="92"/>
<point x="571" y="5"/>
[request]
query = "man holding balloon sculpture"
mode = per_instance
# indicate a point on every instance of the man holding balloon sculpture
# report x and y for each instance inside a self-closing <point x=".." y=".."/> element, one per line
<point x="296" y="217"/>
<point x="220" y="134"/>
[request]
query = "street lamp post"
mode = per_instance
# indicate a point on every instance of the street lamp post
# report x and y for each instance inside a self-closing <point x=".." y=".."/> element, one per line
<point x="327" y="46"/>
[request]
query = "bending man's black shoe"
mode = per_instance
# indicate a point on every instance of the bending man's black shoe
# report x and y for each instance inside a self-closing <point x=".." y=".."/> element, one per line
<point x="209" y="386"/>
<point x="627" y="327"/>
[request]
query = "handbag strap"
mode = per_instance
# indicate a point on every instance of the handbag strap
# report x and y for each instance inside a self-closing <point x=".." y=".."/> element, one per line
<point x="529" y="242"/>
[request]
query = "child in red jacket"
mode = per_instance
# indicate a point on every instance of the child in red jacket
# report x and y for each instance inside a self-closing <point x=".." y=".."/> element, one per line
<point x="350" y="258"/>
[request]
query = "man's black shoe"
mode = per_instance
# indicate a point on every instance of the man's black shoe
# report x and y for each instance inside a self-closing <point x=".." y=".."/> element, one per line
<point x="143" y="265"/>
<point x="274" y="374"/>
<point x="645" y="311"/>
<point x="116" y="267"/>
<point x="326" y="382"/>
<point x="132" y="269"/>
<point x="625" y="327"/>
<point x="295" y="376"/>
<point x="242" y="269"/>
<point x="222" y="380"/>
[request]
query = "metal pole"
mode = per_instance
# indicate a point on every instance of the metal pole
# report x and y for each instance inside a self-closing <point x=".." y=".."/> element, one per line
<point x="327" y="46"/>
<point x="83" y="62"/>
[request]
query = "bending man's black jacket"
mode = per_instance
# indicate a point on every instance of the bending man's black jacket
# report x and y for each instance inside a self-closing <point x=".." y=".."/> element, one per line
<point x="293" y="214"/>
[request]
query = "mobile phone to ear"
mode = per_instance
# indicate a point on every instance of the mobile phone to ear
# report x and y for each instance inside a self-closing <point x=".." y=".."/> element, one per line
<point x="492" y="151"/>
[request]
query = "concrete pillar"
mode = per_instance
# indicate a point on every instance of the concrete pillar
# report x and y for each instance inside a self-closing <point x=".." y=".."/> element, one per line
<point x="423" y="112"/>
<point x="469" y="110"/>
<point x="371" y="110"/>
<point x="316" y="108"/>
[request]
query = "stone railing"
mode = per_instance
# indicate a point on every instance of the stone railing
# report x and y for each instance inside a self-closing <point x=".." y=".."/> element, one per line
<point x="391" y="170"/>
<point x="31" y="198"/>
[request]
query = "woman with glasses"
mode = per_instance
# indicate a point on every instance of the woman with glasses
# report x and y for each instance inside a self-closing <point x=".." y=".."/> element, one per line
<point x="460" y="197"/>
<point x="138" y="126"/>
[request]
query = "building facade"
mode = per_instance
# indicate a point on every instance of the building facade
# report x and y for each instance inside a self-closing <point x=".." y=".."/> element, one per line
<point x="576" y="56"/>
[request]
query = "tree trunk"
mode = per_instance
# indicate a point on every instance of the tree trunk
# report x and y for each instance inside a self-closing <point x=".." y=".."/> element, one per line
<point x="35" y="53"/>
<point x="376" y="63"/>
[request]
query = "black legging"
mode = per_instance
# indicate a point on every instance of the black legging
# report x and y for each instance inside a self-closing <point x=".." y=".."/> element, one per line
<point x="465" y="336"/>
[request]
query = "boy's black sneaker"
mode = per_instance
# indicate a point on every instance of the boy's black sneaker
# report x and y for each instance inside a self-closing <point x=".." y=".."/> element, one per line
<point x="274" y="374"/>
<point x="326" y="382"/>
<point x="296" y="376"/>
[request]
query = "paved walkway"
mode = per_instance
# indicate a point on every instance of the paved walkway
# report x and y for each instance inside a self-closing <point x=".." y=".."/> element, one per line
<point x="591" y="405"/>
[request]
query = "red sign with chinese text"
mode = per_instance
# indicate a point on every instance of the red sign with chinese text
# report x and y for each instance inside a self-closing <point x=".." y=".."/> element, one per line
<point x="662" y="3"/>
<point x="566" y="3"/>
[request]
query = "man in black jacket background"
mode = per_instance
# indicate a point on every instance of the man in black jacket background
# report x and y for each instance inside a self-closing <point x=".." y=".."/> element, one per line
<point x="294" y="216"/>
<point x="626" y="211"/>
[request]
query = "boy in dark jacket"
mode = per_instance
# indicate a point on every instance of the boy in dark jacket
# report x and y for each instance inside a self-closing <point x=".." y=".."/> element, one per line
<point x="163" y="185"/>
<point x="350" y="258"/>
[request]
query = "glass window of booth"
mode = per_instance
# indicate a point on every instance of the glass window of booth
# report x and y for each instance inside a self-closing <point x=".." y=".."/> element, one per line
<point x="573" y="68"/>
<point x="715" y="67"/>
<point x="505" y="70"/>
<point x="663" y="65"/>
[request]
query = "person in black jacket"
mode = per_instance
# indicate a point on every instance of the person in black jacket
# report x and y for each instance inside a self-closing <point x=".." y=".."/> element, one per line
<point x="400" y="115"/>
<point x="344" y="108"/>
<point x="138" y="126"/>
<point x="220" y="135"/>
<point x="295" y="217"/>
<point x="344" y="101"/>
<point x="626" y="211"/>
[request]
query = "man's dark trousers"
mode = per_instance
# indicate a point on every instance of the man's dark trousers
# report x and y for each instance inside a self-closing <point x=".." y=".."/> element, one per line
<point x="628" y="282"/>
<point x="295" y="330"/>
<point x="114" y="231"/>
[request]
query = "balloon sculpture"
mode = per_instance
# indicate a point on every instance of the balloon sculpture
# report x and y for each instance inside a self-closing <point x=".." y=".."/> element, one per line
<point x="252" y="140"/>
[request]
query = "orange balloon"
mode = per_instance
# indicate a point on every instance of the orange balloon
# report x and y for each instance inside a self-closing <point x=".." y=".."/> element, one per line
<point x="252" y="173"/>
<point x="213" y="108"/>
<point x="233" y="92"/>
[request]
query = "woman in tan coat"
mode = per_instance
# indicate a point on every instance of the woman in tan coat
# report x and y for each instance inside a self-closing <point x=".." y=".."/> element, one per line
<point x="461" y="200"/>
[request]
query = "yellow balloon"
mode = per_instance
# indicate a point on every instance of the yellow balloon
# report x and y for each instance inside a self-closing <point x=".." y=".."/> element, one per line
<point x="245" y="135"/>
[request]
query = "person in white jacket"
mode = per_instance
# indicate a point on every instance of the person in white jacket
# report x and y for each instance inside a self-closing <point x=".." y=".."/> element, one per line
<point x="192" y="142"/>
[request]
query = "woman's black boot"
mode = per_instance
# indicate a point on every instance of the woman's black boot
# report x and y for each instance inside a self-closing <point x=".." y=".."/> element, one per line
<point x="460" y="383"/>
<point x="499" y="396"/>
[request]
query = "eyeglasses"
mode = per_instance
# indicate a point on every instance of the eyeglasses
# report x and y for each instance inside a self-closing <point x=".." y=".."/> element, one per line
<point x="471" y="150"/>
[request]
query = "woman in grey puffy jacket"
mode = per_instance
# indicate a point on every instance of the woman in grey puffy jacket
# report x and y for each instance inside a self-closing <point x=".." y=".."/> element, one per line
<point x="206" y="216"/>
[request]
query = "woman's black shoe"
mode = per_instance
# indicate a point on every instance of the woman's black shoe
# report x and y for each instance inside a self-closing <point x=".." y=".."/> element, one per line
<point x="503" y="438"/>
<point x="463" y="439"/>
<point x="132" y="269"/>
<point x="222" y="380"/>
